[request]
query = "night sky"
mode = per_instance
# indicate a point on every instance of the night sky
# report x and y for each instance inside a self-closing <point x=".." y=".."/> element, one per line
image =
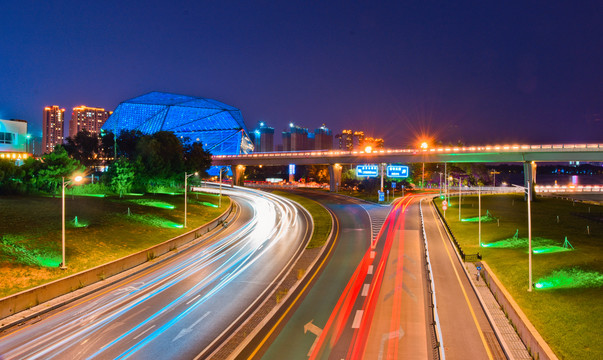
<point x="481" y="72"/>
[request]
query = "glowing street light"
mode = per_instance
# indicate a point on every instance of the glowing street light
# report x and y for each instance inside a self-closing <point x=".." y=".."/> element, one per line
<point x="186" y="193"/>
<point x="76" y="179"/>
<point x="368" y="149"/>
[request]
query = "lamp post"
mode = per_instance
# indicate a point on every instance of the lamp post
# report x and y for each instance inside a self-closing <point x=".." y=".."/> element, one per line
<point x="220" y="197"/>
<point x="479" y="216"/>
<point x="186" y="176"/>
<point x="76" y="179"/>
<point x="529" y="191"/>
<point x="494" y="172"/>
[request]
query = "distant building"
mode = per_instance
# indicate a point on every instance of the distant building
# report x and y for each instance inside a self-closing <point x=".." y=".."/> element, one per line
<point x="323" y="138"/>
<point x="355" y="140"/>
<point x="13" y="139"/>
<point x="52" y="128"/>
<point x="358" y="140"/>
<point x="297" y="139"/>
<point x="262" y="138"/>
<point x="345" y="140"/>
<point x="87" y="118"/>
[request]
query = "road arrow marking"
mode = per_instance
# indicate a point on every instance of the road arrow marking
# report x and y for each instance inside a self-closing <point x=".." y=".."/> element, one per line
<point x="389" y="336"/>
<point x="314" y="330"/>
<point x="189" y="329"/>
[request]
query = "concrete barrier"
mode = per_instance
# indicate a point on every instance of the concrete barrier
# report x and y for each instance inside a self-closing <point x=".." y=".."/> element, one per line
<point x="536" y="345"/>
<point x="26" y="299"/>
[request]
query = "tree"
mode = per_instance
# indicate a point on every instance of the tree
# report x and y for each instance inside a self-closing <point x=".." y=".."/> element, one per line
<point x="127" y="143"/>
<point x="123" y="173"/>
<point x="11" y="177"/>
<point x="161" y="155"/>
<point x="84" y="147"/>
<point x="196" y="158"/>
<point x="53" y="167"/>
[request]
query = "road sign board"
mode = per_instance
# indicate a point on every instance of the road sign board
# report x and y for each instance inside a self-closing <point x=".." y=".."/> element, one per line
<point x="393" y="184"/>
<point x="397" y="171"/>
<point x="367" y="170"/>
<point x="444" y="207"/>
<point x="381" y="196"/>
<point x="444" y="203"/>
<point x="478" y="268"/>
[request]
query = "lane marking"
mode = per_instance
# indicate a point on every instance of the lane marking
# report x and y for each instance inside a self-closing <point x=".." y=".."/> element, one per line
<point x="193" y="299"/>
<point x="86" y="298"/>
<point x="370" y="270"/>
<point x="142" y="333"/>
<point x="335" y="240"/>
<point x="365" y="290"/>
<point x="373" y="254"/>
<point x="458" y="278"/>
<point x="357" y="319"/>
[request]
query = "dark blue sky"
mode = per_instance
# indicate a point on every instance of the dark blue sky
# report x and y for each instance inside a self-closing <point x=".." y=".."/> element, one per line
<point x="482" y="72"/>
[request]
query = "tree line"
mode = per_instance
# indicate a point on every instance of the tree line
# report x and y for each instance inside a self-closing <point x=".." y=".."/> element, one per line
<point x="143" y="163"/>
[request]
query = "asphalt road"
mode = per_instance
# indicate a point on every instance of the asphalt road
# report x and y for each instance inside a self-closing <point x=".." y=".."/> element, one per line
<point x="182" y="307"/>
<point x="301" y="331"/>
<point x="466" y="332"/>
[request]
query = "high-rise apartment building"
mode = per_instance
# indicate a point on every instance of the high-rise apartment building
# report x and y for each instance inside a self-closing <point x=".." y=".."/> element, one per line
<point x="297" y="139"/>
<point x="263" y="138"/>
<point x="323" y="138"/>
<point x="87" y="118"/>
<point x="346" y="141"/>
<point x="52" y="127"/>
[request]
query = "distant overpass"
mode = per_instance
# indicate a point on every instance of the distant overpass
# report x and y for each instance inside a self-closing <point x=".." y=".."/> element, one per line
<point x="529" y="155"/>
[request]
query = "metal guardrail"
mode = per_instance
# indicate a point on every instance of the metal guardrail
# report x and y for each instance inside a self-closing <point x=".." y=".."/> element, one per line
<point x="434" y="307"/>
<point x="465" y="257"/>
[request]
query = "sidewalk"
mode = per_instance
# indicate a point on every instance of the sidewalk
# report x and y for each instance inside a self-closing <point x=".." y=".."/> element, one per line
<point x="513" y="345"/>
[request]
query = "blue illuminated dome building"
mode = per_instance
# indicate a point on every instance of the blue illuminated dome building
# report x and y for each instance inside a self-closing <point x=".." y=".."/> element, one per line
<point x="219" y="127"/>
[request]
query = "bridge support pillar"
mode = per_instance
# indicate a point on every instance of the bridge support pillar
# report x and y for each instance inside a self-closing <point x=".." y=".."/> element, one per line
<point x="334" y="177"/>
<point x="529" y="177"/>
<point x="238" y="173"/>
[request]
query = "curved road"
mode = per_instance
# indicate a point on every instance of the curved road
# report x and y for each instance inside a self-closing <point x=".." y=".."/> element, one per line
<point x="183" y="306"/>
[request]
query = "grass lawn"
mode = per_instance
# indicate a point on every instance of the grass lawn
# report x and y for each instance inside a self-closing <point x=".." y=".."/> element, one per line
<point x="321" y="217"/>
<point x="30" y="230"/>
<point x="570" y="317"/>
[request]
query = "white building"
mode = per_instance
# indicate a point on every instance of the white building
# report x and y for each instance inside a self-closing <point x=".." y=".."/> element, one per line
<point x="13" y="139"/>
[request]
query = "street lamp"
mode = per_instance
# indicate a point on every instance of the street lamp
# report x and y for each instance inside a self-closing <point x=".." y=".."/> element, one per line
<point x="186" y="193"/>
<point x="75" y="179"/>
<point x="529" y="191"/>
<point x="424" y="146"/>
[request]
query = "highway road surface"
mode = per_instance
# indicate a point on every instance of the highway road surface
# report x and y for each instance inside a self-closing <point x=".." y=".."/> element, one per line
<point x="383" y="312"/>
<point x="183" y="307"/>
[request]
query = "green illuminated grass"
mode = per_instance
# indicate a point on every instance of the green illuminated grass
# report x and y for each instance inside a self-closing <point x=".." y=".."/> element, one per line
<point x="154" y="203"/>
<point x="321" y="217"/>
<point x="30" y="244"/>
<point x="564" y="315"/>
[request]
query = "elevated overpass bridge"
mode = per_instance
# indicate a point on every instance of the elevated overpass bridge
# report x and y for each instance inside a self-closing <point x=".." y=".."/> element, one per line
<point x="529" y="155"/>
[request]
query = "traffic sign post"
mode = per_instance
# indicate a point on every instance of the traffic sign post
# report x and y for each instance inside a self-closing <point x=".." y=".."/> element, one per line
<point x="381" y="196"/>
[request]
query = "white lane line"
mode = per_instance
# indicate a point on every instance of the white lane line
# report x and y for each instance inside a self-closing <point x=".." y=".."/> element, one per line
<point x="193" y="299"/>
<point x="370" y="270"/>
<point x="357" y="319"/>
<point x="373" y="254"/>
<point x="142" y="333"/>
<point x="365" y="289"/>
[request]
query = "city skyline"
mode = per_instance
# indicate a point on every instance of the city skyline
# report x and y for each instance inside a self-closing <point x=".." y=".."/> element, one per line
<point x="520" y="73"/>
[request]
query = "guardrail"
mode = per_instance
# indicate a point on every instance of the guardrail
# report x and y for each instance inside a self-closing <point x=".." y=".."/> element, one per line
<point x="434" y="306"/>
<point x="26" y="299"/>
<point x="465" y="257"/>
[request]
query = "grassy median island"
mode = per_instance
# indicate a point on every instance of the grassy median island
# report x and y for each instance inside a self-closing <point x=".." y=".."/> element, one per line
<point x="321" y="217"/>
<point x="106" y="229"/>
<point x="568" y="312"/>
